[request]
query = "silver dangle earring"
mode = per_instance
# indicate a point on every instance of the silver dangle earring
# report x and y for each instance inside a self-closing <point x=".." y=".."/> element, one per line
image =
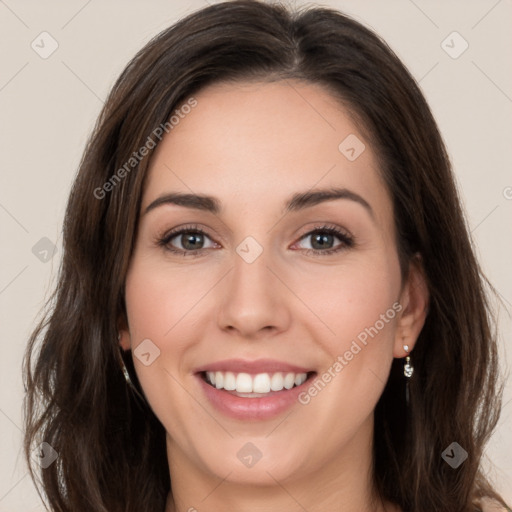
<point x="126" y="373"/>
<point x="408" y="371"/>
<point x="123" y="366"/>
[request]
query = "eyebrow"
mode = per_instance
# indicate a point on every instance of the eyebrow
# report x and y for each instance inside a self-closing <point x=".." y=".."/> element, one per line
<point x="298" y="201"/>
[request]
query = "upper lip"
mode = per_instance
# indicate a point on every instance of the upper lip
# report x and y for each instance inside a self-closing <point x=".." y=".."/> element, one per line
<point x="255" y="366"/>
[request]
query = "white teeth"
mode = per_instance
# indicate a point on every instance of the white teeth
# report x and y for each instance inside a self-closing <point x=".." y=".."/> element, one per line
<point x="261" y="383"/>
<point x="299" y="379"/>
<point x="219" y="380"/>
<point x="277" y="382"/>
<point x="289" y="380"/>
<point x="243" y="383"/>
<point x="255" y="384"/>
<point x="229" y="381"/>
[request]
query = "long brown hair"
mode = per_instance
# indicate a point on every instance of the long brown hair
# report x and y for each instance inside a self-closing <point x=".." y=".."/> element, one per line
<point x="110" y="445"/>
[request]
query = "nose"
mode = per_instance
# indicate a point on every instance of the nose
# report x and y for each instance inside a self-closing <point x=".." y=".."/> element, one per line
<point x="253" y="302"/>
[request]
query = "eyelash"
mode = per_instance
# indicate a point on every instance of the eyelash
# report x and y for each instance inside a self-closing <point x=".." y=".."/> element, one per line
<point x="347" y="241"/>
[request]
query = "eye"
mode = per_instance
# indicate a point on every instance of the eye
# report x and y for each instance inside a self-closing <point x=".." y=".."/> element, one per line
<point x="322" y="240"/>
<point x="189" y="240"/>
<point x="192" y="240"/>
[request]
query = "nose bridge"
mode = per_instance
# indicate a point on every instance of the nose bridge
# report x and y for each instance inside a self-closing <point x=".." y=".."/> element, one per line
<point x="251" y="280"/>
<point x="252" y="300"/>
<point x="250" y="273"/>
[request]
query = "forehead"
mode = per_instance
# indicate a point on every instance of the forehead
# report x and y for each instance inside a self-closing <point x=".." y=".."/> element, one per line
<point x="255" y="142"/>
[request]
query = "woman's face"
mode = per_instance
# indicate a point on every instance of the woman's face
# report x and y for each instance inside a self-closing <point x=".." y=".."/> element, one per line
<point x="271" y="283"/>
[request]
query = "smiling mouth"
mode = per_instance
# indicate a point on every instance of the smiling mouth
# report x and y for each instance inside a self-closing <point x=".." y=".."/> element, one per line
<point x="255" y="385"/>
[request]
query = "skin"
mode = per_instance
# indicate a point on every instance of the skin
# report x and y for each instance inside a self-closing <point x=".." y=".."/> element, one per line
<point x="252" y="146"/>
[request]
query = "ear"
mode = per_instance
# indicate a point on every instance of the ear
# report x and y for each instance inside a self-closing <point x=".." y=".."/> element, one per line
<point x="125" y="341"/>
<point x="414" y="299"/>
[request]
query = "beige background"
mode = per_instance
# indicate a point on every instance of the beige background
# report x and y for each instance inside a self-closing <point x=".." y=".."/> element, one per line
<point x="48" y="107"/>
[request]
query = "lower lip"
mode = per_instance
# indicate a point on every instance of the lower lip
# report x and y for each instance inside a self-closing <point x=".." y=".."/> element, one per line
<point x="258" y="408"/>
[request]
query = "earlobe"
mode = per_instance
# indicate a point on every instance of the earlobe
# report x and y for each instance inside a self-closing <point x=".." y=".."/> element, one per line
<point x="124" y="340"/>
<point x="415" y="299"/>
<point x="123" y="334"/>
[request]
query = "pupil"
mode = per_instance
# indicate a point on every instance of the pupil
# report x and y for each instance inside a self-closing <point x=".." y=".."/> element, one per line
<point x="322" y="240"/>
<point x="192" y="241"/>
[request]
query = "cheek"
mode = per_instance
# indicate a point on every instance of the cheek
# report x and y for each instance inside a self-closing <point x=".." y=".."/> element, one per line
<point x="160" y="302"/>
<point x="353" y="301"/>
<point x="160" y="298"/>
<point x="365" y="310"/>
<point x="360" y="306"/>
<point x="164" y="303"/>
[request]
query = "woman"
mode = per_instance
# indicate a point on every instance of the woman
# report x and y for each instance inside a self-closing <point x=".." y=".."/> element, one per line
<point x="268" y="297"/>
